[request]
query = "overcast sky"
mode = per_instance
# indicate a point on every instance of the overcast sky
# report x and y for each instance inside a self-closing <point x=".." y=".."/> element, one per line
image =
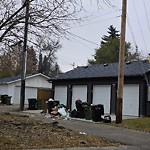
<point x="86" y="36"/>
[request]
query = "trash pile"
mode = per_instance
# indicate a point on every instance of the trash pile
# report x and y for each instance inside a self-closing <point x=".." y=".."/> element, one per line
<point x="55" y="109"/>
<point x="83" y="110"/>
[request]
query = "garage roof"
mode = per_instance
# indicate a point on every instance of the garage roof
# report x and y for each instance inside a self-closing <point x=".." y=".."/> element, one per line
<point x="132" y="68"/>
<point x="9" y="80"/>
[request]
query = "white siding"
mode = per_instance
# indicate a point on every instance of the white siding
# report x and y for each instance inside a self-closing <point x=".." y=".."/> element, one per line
<point x="29" y="93"/>
<point x="11" y="91"/>
<point x="3" y="89"/>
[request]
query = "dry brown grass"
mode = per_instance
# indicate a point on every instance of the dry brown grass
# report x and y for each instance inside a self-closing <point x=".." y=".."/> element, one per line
<point x="23" y="132"/>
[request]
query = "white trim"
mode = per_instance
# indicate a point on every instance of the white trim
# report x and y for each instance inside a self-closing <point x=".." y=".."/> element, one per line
<point x="39" y="74"/>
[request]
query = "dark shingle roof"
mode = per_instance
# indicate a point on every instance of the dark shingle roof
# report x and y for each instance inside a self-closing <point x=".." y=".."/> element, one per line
<point x="134" y="68"/>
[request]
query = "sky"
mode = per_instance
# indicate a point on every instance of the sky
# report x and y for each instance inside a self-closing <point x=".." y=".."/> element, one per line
<point x="86" y="36"/>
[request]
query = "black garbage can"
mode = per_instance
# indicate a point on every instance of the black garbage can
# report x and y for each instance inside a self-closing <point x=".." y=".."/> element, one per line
<point x="88" y="112"/>
<point x="8" y="100"/>
<point x="97" y="112"/>
<point x="4" y="98"/>
<point x="101" y="107"/>
<point x="32" y="103"/>
<point x="80" y="109"/>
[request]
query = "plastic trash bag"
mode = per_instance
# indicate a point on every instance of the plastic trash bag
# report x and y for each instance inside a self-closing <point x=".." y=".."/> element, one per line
<point x="62" y="112"/>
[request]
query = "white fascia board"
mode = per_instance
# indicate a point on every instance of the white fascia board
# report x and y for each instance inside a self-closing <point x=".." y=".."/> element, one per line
<point x="34" y="75"/>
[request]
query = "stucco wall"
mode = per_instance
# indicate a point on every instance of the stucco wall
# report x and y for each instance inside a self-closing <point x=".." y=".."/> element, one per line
<point x="32" y="84"/>
<point x="39" y="81"/>
<point x="3" y="89"/>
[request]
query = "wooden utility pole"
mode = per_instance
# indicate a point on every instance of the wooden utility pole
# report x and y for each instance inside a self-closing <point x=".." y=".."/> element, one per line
<point x="121" y="64"/>
<point x="22" y="91"/>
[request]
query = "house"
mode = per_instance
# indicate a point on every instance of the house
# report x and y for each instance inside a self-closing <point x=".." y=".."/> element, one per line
<point x="37" y="87"/>
<point x="97" y="84"/>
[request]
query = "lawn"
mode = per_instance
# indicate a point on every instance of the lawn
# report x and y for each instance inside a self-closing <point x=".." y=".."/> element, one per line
<point x="140" y="124"/>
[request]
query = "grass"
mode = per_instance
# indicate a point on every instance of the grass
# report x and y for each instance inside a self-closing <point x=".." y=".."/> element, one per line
<point x="23" y="132"/>
<point x="140" y="124"/>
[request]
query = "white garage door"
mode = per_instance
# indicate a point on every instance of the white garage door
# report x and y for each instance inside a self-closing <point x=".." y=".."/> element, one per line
<point x="101" y="95"/>
<point x="60" y="94"/>
<point x="79" y="91"/>
<point x="29" y="93"/>
<point x="131" y="100"/>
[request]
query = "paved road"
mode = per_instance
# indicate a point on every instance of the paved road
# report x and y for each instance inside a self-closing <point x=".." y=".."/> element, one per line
<point x="132" y="139"/>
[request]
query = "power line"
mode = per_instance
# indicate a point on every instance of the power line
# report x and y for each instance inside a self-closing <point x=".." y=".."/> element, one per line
<point x="140" y="26"/>
<point x="103" y="15"/>
<point x="82" y="38"/>
<point x="87" y="24"/>
<point x="131" y="31"/>
<point x="146" y="16"/>
<point x="82" y="43"/>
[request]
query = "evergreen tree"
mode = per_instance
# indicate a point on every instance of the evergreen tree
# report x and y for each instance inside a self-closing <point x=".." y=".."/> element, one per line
<point x="108" y="52"/>
<point x="113" y="34"/>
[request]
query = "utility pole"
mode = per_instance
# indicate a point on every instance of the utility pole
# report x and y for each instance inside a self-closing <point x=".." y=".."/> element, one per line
<point x="121" y="64"/>
<point x="22" y="91"/>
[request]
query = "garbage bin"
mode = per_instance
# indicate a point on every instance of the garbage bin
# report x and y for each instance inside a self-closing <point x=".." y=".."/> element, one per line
<point x="97" y="112"/>
<point x="88" y="112"/>
<point x="4" y="98"/>
<point x="101" y="107"/>
<point x="32" y="103"/>
<point x="80" y="109"/>
<point x="8" y="100"/>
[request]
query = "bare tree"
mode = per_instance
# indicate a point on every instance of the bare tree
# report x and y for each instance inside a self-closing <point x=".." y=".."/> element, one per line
<point x="10" y="61"/>
<point x="48" y="19"/>
<point x="47" y="56"/>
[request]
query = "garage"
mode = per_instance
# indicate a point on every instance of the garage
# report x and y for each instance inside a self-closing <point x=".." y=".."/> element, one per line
<point x="101" y="95"/>
<point x="11" y="86"/>
<point x="29" y="93"/>
<point x="79" y="91"/>
<point x="60" y="94"/>
<point x="98" y="84"/>
<point x="131" y="100"/>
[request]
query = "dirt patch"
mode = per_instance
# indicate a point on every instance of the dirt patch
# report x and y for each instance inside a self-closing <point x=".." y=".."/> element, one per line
<point x="23" y="132"/>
